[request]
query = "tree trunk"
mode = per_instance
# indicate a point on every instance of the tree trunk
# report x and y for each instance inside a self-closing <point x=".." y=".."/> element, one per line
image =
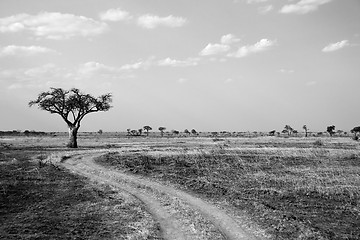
<point x="73" y="137"/>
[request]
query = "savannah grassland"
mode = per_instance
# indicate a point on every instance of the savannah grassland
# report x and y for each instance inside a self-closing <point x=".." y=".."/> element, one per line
<point x="293" y="188"/>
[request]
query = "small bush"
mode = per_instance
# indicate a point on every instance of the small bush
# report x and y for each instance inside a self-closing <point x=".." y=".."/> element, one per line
<point x="318" y="143"/>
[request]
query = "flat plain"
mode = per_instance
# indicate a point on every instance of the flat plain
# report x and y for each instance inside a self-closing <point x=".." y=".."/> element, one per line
<point x="273" y="187"/>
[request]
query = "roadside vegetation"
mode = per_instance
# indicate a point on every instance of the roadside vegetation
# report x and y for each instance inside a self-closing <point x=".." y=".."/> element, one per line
<point x="295" y="189"/>
<point x="40" y="200"/>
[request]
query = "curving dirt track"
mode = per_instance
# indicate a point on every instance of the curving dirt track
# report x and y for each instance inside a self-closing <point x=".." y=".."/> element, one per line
<point x="180" y="215"/>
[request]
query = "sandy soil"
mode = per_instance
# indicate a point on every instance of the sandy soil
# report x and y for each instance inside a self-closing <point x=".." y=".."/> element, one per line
<point x="180" y="215"/>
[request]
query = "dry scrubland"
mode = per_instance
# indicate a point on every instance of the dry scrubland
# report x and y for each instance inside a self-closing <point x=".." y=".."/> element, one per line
<point x="294" y="188"/>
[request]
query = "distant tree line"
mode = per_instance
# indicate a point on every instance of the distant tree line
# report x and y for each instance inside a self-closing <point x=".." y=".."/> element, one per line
<point x="20" y="133"/>
<point x="147" y="129"/>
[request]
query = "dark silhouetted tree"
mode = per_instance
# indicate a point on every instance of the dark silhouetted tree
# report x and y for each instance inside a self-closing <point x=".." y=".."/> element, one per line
<point x="355" y="131"/>
<point x="193" y="131"/>
<point x="306" y="130"/>
<point x="186" y="131"/>
<point x="162" y="129"/>
<point x="331" y="130"/>
<point x="147" y="129"/>
<point x="272" y="133"/>
<point x="288" y="129"/>
<point x="72" y="105"/>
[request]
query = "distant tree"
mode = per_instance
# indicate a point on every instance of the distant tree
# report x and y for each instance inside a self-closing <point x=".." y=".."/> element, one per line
<point x="128" y="131"/>
<point x="100" y="131"/>
<point x="272" y="133"/>
<point x="147" y="129"/>
<point x="339" y="132"/>
<point x="134" y="132"/>
<point x="295" y="132"/>
<point x="140" y="131"/>
<point x="72" y="106"/>
<point x="331" y="130"/>
<point x="175" y="132"/>
<point x="186" y="131"/>
<point x="162" y="129"/>
<point x="288" y="129"/>
<point x="193" y="131"/>
<point x="27" y="132"/>
<point x="355" y="131"/>
<point x="306" y="130"/>
<point x="214" y="133"/>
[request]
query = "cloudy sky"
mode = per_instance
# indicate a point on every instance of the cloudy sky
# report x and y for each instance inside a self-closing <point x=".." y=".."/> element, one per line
<point x="234" y="65"/>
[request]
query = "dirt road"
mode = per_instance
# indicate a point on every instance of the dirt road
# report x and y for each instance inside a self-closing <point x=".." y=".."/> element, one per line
<point x="180" y="215"/>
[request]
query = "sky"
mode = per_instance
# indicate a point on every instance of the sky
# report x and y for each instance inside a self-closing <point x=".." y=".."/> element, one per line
<point x="211" y="65"/>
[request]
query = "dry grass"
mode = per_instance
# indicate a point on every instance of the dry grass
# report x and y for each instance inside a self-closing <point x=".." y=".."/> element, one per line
<point x="295" y="188"/>
<point x="39" y="200"/>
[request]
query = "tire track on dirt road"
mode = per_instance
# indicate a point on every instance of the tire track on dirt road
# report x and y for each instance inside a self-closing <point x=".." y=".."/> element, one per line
<point x="171" y="225"/>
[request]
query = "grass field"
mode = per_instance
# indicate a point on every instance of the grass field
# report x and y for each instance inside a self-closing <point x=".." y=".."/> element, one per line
<point x="294" y="188"/>
<point x="40" y="200"/>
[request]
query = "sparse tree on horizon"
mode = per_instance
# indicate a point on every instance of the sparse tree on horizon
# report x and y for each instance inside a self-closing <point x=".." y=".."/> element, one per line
<point x="72" y="105"/>
<point x="186" y="131"/>
<point x="355" y="131"/>
<point x="272" y="133"/>
<point x="288" y="130"/>
<point x="147" y="129"/>
<point x="306" y="130"/>
<point x="175" y="132"/>
<point x="162" y="129"/>
<point x="193" y="131"/>
<point x="331" y="130"/>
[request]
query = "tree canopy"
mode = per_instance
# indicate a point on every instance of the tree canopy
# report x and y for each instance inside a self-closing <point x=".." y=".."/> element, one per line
<point x="72" y="105"/>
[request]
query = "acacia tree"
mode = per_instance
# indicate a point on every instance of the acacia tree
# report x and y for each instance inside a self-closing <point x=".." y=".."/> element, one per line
<point x="288" y="129"/>
<point x="193" y="131"/>
<point x="331" y="130"/>
<point x="72" y="105"/>
<point x="306" y="130"/>
<point x="147" y="129"/>
<point x="355" y="130"/>
<point x="186" y="131"/>
<point x="162" y="129"/>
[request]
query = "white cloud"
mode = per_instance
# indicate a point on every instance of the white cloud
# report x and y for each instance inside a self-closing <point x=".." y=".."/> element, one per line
<point x="13" y="50"/>
<point x="311" y="83"/>
<point x="335" y="46"/>
<point x="53" y="25"/>
<point x="286" y="71"/>
<point x="303" y="6"/>
<point x="265" y="9"/>
<point x="213" y="49"/>
<point x="91" y="68"/>
<point x="37" y="77"/>
<point x="115" y="15"/>
<point x="218" y="48"/>
<point x="138" y="65"/>
<point x="182" y="80"/>
<point x="256" y="1"/>
<point x="153" y="21"/>
<point x="229" y="80"/>
<point x="229" y="39"/>
<point x="262" y="45"/>
<point x="178" y="63"/>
